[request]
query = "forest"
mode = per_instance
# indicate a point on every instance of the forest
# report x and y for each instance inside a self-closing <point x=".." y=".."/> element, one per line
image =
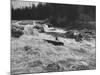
<point x="59" y="15"/>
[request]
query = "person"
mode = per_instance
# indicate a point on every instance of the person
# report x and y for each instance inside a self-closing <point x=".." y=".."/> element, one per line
<point x="56" y="38"/>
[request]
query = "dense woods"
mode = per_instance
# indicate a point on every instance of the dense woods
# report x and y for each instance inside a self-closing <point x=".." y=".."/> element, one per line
<point x="57" y="14"/>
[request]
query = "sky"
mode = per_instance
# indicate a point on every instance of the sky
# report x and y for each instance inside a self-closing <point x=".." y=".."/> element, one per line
<point x="21" y="4"/>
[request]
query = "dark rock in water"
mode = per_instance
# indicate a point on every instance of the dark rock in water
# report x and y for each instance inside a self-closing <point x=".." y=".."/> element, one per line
<point x="16" y="31"/>
<point x="71" y="35"/>
<point x="26" y="48"/>
<point x="54" y="67"/>
<point x="78" y="38"/>
<point x="56" y="43"/>
<point x="40" y="29"/>
<point x="30" y="51"/>
<point x="82" y="67"/>
<point x="16" y="34"/>
<point x="35" y="63"/>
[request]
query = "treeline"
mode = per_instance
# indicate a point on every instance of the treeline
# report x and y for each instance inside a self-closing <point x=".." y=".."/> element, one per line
<point x="30" y="13"/>
<point x="57" y="13"/>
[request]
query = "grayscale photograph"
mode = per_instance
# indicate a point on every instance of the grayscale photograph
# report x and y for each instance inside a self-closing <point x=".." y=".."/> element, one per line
<point x="52" y="37"/>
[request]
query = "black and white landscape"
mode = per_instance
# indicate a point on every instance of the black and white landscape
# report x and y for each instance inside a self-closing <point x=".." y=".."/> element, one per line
<point x="52" y="37"/>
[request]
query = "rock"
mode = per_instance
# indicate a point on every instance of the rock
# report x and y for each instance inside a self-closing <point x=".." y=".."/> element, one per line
<point x="82" y="67"/>
<point x="26" y="48"/>
<point x="35" y="63"/>
<point x="54" y="67"/>
<point x="16" y="31"/>
<point x="56" y="43"/>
